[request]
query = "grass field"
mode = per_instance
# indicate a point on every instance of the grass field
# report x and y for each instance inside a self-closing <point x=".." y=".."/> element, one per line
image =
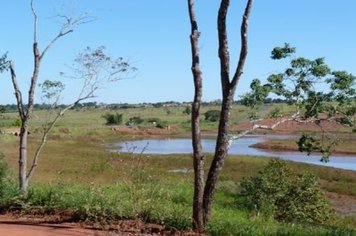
<point x="77" y="172"/>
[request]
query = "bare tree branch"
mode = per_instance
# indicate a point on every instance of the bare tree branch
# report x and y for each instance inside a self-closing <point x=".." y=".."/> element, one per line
<point x="223" y="141"/>
<point x="243" y="52"/>
<point x="47" y="131"/>
<point x="18" y="94"/>
<point x="37" y="62"/>
<point x="223" y="46"/>
<point x="66" y="28"/>
<point x="36" y="70"/>
<point x="294" y="117"/>
<point x="90" y="65"/>
<point x="35" y="20"/>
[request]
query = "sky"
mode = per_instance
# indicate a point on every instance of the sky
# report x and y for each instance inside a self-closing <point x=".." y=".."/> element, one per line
<point x="154" y="36"/>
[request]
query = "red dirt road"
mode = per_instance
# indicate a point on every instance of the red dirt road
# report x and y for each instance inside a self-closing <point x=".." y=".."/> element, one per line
<point x="24" y="227"/>
<point x="11" y="226"/>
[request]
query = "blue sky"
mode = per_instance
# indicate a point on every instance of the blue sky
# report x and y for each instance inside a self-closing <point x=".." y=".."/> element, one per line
<point x="154" y="36"/>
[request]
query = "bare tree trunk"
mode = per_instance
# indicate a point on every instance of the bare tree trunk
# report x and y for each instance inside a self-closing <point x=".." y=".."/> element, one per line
<point x="23" y="181"/>
<point x="228" y="91"/>
<point x="24" y="178"/>
<point x="221" y="149"/>
<point x="204" y="203"/>
<point x="198" y="156"/>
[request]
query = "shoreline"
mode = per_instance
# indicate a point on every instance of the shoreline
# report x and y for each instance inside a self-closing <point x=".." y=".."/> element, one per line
<point x="271" y="146"/>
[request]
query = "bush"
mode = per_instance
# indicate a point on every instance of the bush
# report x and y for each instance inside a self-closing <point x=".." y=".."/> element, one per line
<point x="187" y="110"/>
<point x="286" y="196"/>
<point x="17" y="123"/>
<point x="154" y="120"/>
<point x="158" y="122"/>
<point x="113" y="119"/>
<point x="212" y="115"/>
<point x="8" y="187"/>
<point x="162" y="124"/>
<point x="275" y="113"/>
<point x="136" y="120"/>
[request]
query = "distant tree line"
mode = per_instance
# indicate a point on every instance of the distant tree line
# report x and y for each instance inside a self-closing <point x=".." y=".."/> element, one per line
<point x="37" y="106"/>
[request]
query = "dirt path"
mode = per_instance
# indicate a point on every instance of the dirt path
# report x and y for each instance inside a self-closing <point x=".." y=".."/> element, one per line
<point x="25" y="227"/>
<point x="11" y="226"/>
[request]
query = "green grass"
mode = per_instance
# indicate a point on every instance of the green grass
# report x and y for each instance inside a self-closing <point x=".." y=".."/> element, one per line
<point x="168" y="204"/>
<point x="172" y="115"/>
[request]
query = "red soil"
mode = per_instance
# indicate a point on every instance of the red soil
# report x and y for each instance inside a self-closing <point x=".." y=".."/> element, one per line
<point x="10" y="225"/>
<point x="292" y="126"/>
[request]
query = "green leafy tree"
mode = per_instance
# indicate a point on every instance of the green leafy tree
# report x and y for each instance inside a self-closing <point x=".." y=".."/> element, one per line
<point x="51" y="91"/>
<point x="318" y="95"/>
<point x="287" y="196"/>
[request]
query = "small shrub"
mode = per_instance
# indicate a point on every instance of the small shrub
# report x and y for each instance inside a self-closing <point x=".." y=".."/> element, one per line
<point x="154" y="120"/>
<point x="8" y="187"/>
<point x="286" y="196"/>
<point x="212" y="115"/>
<point x="253" y="116"/>
<point x="187" y="110"/>
<point x="303" y="202"/>
<point x="275" y="113"/>
<point x="2" y="109"/>
<point x="17" y="123"/>
<point x="113" y="119"/>
<point x="162" y="124"/>
<point x="158" y="122"/>
<point x="136" y="120"/>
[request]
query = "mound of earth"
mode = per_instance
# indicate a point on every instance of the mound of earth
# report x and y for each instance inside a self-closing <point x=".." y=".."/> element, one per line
<point x="145" y="131"/>
<point x="291" y="126"/>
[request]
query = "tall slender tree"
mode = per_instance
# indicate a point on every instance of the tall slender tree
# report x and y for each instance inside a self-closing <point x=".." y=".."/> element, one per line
<point x="198" y="156"/>
<point x="25" y="112"/>
<point x="93" y="66"/>
<point x="204" y="190"/>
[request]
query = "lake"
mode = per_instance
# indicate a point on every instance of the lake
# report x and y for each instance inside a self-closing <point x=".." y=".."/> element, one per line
<point x="238" y="147"/>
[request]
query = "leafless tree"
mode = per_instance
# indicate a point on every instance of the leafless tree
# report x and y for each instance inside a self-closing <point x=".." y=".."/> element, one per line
<point x="204" y="190"/>
<point x="25" y="112"/>
<point x="94" y="67"/>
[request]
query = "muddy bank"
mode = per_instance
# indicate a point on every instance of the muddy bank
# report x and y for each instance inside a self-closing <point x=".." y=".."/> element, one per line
<point x="291" y="146"/>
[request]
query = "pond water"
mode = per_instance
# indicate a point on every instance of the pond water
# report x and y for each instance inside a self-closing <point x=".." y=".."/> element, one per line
<point x="238" y="147"/>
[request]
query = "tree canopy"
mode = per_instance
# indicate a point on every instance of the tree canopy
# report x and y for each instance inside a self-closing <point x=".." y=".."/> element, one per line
<point x="317" y="93"/>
